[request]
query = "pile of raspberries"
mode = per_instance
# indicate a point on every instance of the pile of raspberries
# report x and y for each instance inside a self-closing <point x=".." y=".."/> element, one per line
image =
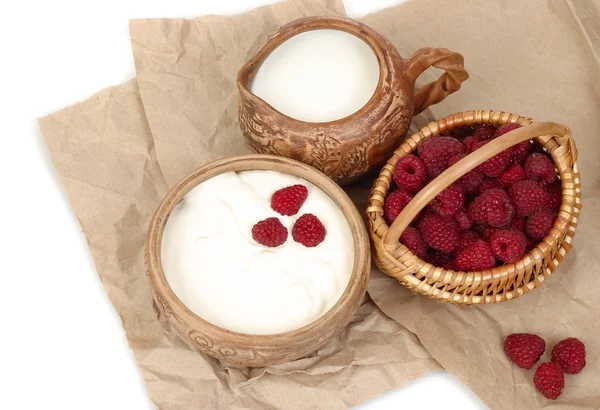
<point x="491" y="215"/>
<point x="568" y="356"/>
<point x="307" y="230"/>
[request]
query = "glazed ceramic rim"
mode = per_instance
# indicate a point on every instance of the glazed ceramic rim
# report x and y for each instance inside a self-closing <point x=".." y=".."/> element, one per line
<point x="303" y="25"/>
<point x="356" y="284"/>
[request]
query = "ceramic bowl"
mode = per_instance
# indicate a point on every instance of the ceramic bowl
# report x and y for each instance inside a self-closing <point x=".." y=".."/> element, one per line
<point x="248" y="349"/>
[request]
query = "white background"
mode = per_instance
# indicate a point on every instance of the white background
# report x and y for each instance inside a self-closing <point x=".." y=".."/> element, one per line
<point x="61" y="342"/>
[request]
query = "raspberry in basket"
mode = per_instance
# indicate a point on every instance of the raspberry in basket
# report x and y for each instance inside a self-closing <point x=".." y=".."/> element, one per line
<point x="485" y="132"/>
<point x="477" y="257"/>
<point x="439" y="232"/>
<point x="269" y="232"/>
<point x="524" y="349"/>
<point x="410" y="173"/>
<point x="527" y="195"/>
<point x="520" y="151"/>
<point x="436" y="151"/>
<point x="308" y="230"/>
<point x="413" y="241"/>
<point x="467" y="239"/>
<point x="463" y="220"/>
<point x="508" y="245"/>
<point x="394" y="204"/>
<point x="539" y="167"/>
<point x="570" y="355"/>
<point x="489" y="183"/>
<point x="494" y="166"/>
<point x="493" y="208"/>
<point x="449" y="201"/>
<point x="288" y="201"/>
<point x="469" y="144"/>
<point x="506" y="128"/>
<point x="514" y="173"/>
<point x="539" y="223"/>
<point x="472" y="179"/>
<point x="555" y="191"/>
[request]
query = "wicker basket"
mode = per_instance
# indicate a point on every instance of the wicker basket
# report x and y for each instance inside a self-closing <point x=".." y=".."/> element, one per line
<point x="500" y="283"/>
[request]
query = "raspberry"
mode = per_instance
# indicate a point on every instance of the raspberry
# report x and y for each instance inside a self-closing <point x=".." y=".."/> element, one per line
<point x="488" y="184"/>
<point x="394" y="204"/>
<point x="410" y="173"/>
<point x="436" y="151"/>
<point x="514" y="173"/>
<point x="570" y="355"/>
<point x="555" y="191"/>
<point x="518" y="224"/>
<point x="549" y="380"/>
<point x="531" y="243"/>
<point x="476" y="257"/>
<point x="524" y="349"/>
<point x="520" y="151"/>
<point x="472" y="179"/>
<point x="461" y="132"/>
<point x="485" y="132"/>
<point x="506" y="128"/>
<point x="494" y="166"/>
<point x="438" y="232"/>
<point x="539" y="167"/>
<point x="469" y="144"/>
<point x="539" y="223"/>
<point x="508" y="245"/>
<point x="466" y="239"/>
<point x="485" y="231"/>
<point x="308" y="230"/>
<point x="493" y="208"/>
<point x="463" y="220"/>
<point x="527" y="196"/>
<point x="287" y="201"/>
<point x="441" y="259"/>
<point x="413" y="241"/>
<point x="269" y="232"/>
<point x="449" y="201"/>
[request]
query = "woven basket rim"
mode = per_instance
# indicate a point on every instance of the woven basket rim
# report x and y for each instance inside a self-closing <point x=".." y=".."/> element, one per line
<point x="503" y="282"/>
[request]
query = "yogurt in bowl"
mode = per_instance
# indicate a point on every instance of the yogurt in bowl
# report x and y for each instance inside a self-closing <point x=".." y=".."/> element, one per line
<point x="243" y="299"/>
<point x="223" y="275"/>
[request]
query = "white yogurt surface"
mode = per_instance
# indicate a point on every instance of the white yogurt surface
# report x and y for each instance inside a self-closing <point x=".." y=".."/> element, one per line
<point x="318" y="76"/>
<point x="220" y="273"/>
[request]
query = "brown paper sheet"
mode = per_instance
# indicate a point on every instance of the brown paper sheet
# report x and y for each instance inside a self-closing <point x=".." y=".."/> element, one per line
<point x="106" y="158"/>
<point x="539" y="59"/>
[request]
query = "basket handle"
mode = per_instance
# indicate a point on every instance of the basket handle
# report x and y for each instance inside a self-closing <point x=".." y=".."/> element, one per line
<point x="466" y="164"/>
<point x="449" y="82"/>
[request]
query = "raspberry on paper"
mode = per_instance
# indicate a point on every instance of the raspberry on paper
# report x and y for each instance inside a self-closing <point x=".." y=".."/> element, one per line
<point x="549" y="380"/>
<point x="524" y="349"/>
<point x="410" y="173"/>
<point x="288" y="201"/>
<point x="570" y="355"/>
<point x="308" y="230"/>
<point x="269" y="232"/>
